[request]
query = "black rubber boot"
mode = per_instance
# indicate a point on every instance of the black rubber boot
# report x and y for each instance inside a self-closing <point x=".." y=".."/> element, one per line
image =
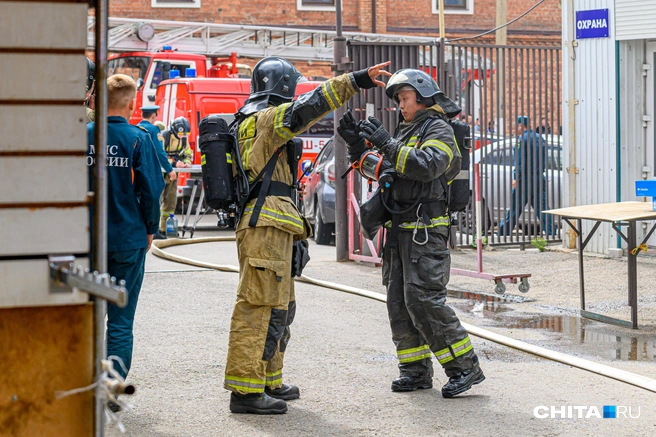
<point x="463" y="381"/>
<point x="408" y="382"/>
<point x="287" y="392"/>
<point x="256" y="403"/>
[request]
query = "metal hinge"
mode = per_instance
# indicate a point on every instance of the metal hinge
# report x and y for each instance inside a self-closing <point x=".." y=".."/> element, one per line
<point x="65" y="276"/>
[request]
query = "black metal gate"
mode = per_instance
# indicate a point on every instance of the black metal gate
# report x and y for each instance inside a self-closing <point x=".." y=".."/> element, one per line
<point x="496" y="86"/>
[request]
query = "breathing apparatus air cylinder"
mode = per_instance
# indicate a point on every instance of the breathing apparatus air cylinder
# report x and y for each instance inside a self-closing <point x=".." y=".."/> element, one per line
<point x="216" y="148"/>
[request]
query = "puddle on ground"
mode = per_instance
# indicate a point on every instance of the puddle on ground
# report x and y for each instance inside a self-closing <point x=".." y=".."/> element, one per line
<point x="606" y="344"/>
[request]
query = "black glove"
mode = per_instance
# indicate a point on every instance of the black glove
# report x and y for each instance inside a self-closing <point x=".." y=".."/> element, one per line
<point x="348" y="129"/>
<point x="363" y="80"/>
<point x="300" y="257"/>
<point x="373" y="131"/>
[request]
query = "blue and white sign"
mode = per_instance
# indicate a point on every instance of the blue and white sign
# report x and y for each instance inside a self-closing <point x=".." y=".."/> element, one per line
<point x="592" y="24"/>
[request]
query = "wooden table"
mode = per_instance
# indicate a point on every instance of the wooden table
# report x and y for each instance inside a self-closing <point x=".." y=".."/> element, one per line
<point x="621" y="214"/>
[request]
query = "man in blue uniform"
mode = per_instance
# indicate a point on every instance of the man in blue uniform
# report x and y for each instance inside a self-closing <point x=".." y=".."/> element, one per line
<point x="149" y="114"/>
<point x="134" y="186"/>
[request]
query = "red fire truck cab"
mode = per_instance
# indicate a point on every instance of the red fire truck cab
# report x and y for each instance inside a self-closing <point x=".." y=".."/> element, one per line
<point x="148" y="69"/>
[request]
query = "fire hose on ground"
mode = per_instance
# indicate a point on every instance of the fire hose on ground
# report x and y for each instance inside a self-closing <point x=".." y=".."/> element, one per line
<point x="587" y="365"/>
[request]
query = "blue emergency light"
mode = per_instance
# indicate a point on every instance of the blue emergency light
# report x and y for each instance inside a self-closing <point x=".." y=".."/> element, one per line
<point x="647" y="188"/>
<point x="167" y="48"/>
<point x="173" y="74"/>
<point x="190" y="72"/>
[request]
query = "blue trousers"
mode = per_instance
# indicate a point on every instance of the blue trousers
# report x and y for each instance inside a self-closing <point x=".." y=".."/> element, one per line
<point x="128" y="265"/>
<point x="519" y="198"/>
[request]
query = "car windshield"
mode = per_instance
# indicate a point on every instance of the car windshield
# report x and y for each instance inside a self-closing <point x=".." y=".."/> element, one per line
<point x="133" y="66"/>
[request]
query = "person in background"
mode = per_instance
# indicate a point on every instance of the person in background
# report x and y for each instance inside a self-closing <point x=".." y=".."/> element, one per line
<point x="176" y="146"/>
<point x="148" y="115"/>
<point x="529" y="182"/>
<point x="134" y="184"/>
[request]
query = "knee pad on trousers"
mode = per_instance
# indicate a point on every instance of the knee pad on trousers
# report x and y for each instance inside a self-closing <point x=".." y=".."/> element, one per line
<point x="277" y="325"/>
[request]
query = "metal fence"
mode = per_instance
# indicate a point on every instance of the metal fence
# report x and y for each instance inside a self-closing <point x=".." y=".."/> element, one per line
<point x="494" y="85"/>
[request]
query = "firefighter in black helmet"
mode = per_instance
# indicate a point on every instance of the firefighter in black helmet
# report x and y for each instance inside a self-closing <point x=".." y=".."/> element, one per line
<point x="416" y="260"/>
<point x="271" y="228"/>
<point x="176" y="146"/>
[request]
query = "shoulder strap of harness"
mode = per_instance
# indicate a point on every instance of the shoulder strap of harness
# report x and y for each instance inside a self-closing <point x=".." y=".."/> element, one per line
<point x="442" y="177"/>
<point x="265" y="175"/>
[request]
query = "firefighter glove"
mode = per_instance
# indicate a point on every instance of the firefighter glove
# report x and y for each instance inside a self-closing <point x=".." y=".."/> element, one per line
<point x="348" y="129"/>
<point x="373" y="131"/>
<point x="300" y="257"/>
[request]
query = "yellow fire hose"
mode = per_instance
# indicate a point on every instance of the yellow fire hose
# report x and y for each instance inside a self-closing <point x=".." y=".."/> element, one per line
<point x="590" y="366"/>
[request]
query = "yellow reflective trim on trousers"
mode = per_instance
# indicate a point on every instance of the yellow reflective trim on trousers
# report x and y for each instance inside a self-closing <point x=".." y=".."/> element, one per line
<point x="335" y="95"/>
<point x="328" y="97"/>
<point x="282" y="131"/>
<point x="274" y="378"/>
<point x="414" y="354"/>
<point x="244" y="384"/>
<point x="401" y="158"/>
<point x="277" y="216"/>
<point x="459" y="348"/>
<point x="440" y="145"/>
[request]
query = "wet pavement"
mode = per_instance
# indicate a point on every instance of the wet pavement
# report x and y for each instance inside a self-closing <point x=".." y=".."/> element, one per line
<point x="594" y="337"/>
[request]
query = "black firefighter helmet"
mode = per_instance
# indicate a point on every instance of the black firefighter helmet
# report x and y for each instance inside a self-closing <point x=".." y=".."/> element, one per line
<point x="426" y="88"/>
<point x="91" y="74"/>
<point x="180" y="126"/>
<point x="274" y="77"/>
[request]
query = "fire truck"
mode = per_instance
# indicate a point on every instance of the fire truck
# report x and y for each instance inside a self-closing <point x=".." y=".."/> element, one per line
<point x="195" y="98"/>
<point x="148" y="69"/>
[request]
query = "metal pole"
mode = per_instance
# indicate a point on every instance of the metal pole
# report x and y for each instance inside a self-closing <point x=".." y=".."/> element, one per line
<point x="442" y="21"/>
<point x="100" y="201"/>
<point x="341" y="163"/>
<point x="569" y="55"/>
<point x="501" y="40"/>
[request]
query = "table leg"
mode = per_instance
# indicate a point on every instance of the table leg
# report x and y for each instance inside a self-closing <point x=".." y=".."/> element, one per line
<point x="581" y="247"/>
<point x="633" y="274"/>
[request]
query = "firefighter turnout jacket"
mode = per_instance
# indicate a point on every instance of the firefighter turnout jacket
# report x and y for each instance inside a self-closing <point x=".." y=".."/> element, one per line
<point x="262" y="133"/>
<point x="419" y="165"/>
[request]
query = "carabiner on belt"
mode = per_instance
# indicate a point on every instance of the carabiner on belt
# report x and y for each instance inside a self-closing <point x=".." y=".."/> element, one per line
<point x="414" y="232"/>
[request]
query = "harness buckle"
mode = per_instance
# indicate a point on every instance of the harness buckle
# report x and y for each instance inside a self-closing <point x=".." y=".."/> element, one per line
<point x="414" y="232"/>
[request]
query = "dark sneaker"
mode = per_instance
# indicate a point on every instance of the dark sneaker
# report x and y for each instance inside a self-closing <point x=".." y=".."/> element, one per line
<point x="159" y="236"/>
<point x="463" y="381"/>
<point x="287" y="392"/>
<point x="113" y="406"/>
<point x="412" y="382"/>
<point x="256" y="403"/>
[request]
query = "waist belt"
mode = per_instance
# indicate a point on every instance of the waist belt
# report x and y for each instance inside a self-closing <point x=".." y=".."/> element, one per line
<point x="429" y="210"/>
<point x="275" y="189"/>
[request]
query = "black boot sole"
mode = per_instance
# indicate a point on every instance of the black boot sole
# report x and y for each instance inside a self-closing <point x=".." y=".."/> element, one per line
<point x="241" y="409"/>
<point x="412" y="388"/>
<point x="464" y="388"/>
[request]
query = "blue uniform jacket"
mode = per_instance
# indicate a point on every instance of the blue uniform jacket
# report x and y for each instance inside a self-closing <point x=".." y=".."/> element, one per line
<point x="134" y="182"/>
<point x="530" y="159"/>
<point x="159" y="147"/>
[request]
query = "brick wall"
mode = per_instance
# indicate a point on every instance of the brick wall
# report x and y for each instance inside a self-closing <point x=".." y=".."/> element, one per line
<point x="392" y="16"/>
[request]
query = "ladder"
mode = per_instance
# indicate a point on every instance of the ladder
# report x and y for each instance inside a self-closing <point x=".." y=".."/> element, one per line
<point x="222" y="39"/>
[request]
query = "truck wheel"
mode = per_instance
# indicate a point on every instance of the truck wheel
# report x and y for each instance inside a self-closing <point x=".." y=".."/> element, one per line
<point x="322" y="232"/>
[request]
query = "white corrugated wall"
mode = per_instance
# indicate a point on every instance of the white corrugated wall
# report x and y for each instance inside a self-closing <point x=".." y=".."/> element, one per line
<point x="594" y="83"/>
<point x="636" y="19"/>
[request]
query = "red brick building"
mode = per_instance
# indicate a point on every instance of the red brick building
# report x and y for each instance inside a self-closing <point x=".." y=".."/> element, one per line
<point x="412" y="17"/>
<point x="542" y="26"/>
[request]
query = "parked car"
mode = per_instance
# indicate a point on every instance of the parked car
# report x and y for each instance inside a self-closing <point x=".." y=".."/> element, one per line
<point x="497" y="161"/>
<point x="319" y="195"/>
